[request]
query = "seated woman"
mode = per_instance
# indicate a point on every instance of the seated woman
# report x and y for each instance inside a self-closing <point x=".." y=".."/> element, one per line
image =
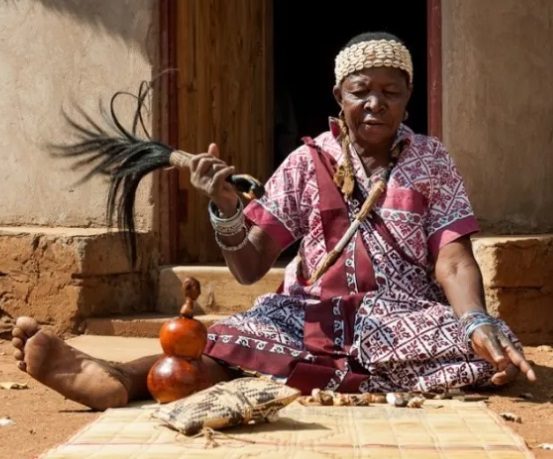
<point x="397" y="305"/>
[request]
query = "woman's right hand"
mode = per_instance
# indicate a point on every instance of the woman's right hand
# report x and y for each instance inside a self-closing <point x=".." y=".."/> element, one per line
<point x="208" y="174"/>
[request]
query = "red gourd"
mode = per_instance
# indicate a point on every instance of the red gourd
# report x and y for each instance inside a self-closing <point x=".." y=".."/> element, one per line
<point x="180" y="371"/>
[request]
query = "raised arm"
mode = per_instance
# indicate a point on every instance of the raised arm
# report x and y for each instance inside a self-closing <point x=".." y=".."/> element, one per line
<point x="249" y="252"/>
<point x="250" y="263"/>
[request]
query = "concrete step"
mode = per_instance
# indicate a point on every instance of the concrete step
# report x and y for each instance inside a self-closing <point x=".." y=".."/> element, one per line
<point x="221" y="293"/>
<point x="144" y="325"/>
<point x="116" y="348"/>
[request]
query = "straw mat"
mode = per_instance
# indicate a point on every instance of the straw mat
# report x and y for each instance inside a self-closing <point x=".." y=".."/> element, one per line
<point x="441" y="429"/>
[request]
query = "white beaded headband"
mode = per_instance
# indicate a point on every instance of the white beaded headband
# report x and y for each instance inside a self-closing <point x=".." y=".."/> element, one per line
<point x="373" y="53"/>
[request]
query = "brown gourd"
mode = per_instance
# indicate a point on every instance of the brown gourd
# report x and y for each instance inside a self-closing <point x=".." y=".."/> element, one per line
<point x="180" y="372"/>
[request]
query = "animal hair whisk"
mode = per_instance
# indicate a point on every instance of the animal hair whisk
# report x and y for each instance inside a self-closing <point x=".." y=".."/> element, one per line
<point x="121" y="155"/>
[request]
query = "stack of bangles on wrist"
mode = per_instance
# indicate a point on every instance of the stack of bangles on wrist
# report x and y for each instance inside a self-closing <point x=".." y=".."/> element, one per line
<point x="471" y="320"/>
<point x="228" y="227"/>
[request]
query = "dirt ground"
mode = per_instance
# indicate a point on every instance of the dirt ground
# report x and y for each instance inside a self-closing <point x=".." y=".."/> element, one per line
<point x="44" y="419"/>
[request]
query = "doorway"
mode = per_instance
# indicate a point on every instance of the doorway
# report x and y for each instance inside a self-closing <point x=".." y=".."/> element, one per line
<point x="306" y="39"/>
<point x="257" y="76"/>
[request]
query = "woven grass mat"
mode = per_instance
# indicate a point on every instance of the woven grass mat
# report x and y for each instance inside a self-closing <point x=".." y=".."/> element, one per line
<point x="445" y="430"/>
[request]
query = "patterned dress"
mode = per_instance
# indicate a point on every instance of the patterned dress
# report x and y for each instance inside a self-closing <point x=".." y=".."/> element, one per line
<point x="377" y="320"/>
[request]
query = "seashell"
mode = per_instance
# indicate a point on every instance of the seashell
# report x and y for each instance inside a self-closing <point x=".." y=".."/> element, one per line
<point x="4" y="422"/>
<point x="546" y="446"/>
<point x="396" y="399"/>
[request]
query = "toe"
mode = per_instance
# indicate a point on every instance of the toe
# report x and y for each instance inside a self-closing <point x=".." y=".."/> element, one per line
<point x="18" y="343"/>
<point x="18" y="333"/>
<point x="18" y="354"/>
<point x="28" y="325"/>
<point x="21" y="365"/>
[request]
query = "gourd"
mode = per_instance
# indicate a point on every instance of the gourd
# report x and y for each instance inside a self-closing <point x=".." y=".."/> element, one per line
<point x="180" y="371"/>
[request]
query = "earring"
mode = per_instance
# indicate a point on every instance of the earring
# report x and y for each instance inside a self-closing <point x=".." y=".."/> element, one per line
<point x="406" y="115"/>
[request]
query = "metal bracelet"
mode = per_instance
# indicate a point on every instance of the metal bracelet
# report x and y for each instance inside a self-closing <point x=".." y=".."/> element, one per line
<point x="227" y="226"/>
<point x="471" y="320"/>
<point x="469" y="316"/>
<point x="472" y="314"/>
<point x="233" y="248"/>
<point x="476" y="324"/>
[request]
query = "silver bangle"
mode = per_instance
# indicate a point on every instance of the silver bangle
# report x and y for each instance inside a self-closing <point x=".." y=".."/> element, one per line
<point x="477" y="323"/>
<point x="233" y="248"/>
<point x="227" y="226"/>
<point x="471" y="320"/>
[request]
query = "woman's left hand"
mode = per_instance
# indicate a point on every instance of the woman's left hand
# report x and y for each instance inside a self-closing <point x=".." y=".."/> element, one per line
<point x="490" y="343"/>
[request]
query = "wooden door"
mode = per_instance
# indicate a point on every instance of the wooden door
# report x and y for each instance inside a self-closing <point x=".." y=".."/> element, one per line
<point x="224" y="57"/>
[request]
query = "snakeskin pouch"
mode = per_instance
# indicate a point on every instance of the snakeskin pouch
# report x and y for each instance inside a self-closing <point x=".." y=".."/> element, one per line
<point x="227" y="404"/>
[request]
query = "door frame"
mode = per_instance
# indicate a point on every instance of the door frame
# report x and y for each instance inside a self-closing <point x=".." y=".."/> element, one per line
<point x="434" y="66"/>
<point x="167" y="181"/>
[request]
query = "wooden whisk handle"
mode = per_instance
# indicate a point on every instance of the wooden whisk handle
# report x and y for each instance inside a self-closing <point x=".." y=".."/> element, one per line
<point x="250" y="187"/>
<point x="180" y="159"/>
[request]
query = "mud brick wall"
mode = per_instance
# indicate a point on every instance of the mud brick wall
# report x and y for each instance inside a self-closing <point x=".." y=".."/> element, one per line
<point x="518" y="278"/>
<point x="62" y="276"/>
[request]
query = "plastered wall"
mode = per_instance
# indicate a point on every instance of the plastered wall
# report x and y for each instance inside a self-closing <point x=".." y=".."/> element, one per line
<point x="498" y="108"/>
<point x="53" y="52"/>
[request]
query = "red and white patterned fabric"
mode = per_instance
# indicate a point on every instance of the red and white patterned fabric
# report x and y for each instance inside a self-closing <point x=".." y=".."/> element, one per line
<point x="376" y="321"/>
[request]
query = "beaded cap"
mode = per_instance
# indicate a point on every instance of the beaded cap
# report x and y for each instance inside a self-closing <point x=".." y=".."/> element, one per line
<point x="373" y="53"/>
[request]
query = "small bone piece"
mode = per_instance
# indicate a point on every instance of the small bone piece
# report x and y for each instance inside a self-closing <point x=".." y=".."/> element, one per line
<point x="362" y="399"/>
<point x="339" y="399"/>
<point x="325" y="398"/>
<point x="416" y="402"/>
<point x="377" y="398"/>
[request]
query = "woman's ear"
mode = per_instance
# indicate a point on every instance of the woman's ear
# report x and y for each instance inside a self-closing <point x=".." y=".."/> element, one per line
<point x="337" y="91"/>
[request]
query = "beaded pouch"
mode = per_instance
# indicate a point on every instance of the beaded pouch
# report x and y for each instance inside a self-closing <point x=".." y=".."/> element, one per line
<point x="227" y="404"/>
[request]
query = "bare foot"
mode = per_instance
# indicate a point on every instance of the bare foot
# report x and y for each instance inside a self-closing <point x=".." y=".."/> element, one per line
<point x="77" y="376"/>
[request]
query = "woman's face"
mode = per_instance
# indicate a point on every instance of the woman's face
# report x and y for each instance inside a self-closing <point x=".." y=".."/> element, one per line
<point x="373" y="101"/>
